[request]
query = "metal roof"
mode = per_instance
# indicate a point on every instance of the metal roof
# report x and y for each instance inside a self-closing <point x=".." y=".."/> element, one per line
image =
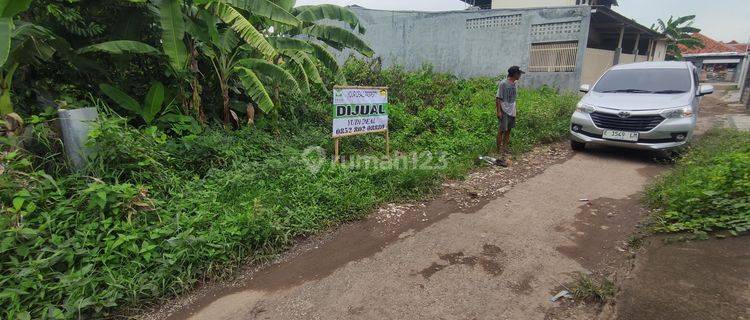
<point x="605" y="18"/>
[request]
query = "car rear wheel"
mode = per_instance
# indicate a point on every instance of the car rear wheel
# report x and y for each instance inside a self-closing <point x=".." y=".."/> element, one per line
<point x="577" y="146"/>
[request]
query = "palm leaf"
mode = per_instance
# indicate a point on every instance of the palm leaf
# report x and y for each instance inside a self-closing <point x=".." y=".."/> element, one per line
<point x="119" y="47"/>
<point x="289" y="44"/>
<point x="31" y="44"/>
<point x="682" y="20"/>
<point x="340" y="36"/>
<point x="325" y="57"/>
<point x="267" y="9"/>
<point x="689" y="30"/>
<point x="309" y="66"/>
<point x="255" y="89"/>
<point x="228" y="41"/>
<point x="274" y="72"/>
<point x="123" y="99"/>
<point x="288" y="5"/>
<point x="239" y="24"/>
<point x="299" y="72"/>
<point x="153" y="103"/>
<point x="10" y="8"/>
<point x="6" y="28"/>
<point x="173" y="32"/>
<point x="331" y="12"/>
<point x="662" y="25"/>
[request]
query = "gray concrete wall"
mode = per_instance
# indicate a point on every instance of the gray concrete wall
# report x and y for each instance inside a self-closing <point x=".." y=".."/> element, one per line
<point x="480" y="48"/>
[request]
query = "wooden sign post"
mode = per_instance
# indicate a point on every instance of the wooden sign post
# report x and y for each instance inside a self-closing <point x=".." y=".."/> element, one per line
<point x="359" y="110"/>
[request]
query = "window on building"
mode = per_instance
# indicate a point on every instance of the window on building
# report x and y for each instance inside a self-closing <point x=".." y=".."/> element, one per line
<point x="553" y="56"/>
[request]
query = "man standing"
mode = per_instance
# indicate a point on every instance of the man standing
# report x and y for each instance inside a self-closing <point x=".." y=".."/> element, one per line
<point x="505" y="104"/>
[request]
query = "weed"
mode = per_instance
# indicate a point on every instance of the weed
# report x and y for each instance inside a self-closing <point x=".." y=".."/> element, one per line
<point x="590" y="289"/>
<point x="636" y="241"/>
<point x="709" y="189"/>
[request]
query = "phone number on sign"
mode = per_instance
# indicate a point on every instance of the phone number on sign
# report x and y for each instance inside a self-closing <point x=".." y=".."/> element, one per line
<point x="351" y="130"/>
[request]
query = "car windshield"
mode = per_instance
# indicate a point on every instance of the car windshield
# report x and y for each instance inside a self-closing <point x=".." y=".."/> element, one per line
<point x="661" y="81"/>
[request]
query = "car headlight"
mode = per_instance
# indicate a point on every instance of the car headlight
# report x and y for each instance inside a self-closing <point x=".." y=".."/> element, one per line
<point x="585" y="108"/>
<point x="683" y="112"/>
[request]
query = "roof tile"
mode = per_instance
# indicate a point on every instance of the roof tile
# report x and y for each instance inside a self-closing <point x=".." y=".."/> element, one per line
<point x="710" y="46"/>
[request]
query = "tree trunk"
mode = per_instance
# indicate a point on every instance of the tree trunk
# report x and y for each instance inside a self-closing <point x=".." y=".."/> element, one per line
<point x="225" y="96"/>
<point x="196" y="100"/>
<point x="195" y="87"/>
<point x="250" y="113"/>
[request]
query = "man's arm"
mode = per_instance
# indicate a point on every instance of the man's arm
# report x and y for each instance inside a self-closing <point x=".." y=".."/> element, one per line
<point x="499" y="106"/>
<point x="499" y="100"/>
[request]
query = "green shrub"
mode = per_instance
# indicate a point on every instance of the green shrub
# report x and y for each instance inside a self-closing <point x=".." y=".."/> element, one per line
<point x="709" y="190"/>
<point x="154" y="214"/>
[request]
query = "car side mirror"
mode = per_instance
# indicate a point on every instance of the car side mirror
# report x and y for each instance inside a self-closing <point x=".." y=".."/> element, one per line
<point x="585" y="88"/>
<point x="705" y="89"/>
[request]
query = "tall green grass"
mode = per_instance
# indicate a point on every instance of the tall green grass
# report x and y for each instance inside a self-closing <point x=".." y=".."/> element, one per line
<point x="154" y="214"/>
<point x="709" y="189"/>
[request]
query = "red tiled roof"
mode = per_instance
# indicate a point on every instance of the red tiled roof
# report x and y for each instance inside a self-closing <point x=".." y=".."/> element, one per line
<point x="739" y="47"/>
<point x="710" y="46"/>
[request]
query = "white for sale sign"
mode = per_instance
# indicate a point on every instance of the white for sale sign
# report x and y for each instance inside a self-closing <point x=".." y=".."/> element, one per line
<point x="359" y="110"/>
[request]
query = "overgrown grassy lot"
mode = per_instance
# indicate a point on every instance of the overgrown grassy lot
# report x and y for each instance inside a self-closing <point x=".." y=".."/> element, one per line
<point x="157" y="212"/>
<point x="709" y="190"/>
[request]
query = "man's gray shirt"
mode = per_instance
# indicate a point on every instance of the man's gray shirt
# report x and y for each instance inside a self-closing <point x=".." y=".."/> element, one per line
<point x="506" y="91"/>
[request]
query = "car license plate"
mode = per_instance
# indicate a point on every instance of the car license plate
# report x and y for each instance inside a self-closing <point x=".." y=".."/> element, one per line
<point x="620" y="135"/>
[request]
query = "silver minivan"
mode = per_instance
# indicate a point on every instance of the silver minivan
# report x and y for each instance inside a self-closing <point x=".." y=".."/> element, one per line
<point x="645" y="105"/>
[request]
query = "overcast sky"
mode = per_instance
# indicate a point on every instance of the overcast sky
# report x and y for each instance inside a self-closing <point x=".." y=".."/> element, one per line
<point x="723" y="20"/>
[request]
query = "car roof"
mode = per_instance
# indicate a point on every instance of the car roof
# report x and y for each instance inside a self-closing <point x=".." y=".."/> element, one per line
<point x="653" y="65"/>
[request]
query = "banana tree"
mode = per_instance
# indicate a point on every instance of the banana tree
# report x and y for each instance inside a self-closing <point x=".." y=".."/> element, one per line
<point x="310" y="45"/>
<point x="679" y="32"/>
<point x="180" y="36"/>
<point x="235" y="62"/>
<point x="289" y="42"/>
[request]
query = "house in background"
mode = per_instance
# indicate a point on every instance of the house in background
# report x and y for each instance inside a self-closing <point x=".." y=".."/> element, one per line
<point x="739" y="47"/>
<point x="561" y="43"/>
<point x="719" y="62"/>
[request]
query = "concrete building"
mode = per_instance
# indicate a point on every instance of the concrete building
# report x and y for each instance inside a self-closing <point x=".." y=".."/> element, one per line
<point x="562" y="46"/>
<point x="719" y="62"/>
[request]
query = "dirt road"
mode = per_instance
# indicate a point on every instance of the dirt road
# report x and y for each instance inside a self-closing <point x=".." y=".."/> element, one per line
<point x="494" y="247"/>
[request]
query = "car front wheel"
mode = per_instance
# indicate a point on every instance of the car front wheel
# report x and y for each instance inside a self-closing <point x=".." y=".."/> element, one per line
<point x="577" y="146"/>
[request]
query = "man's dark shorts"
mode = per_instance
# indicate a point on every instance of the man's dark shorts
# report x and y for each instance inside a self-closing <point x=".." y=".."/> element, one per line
<point x="507" y="122"/>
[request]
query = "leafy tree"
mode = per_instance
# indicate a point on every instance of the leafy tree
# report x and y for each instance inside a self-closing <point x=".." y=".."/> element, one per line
<point x="309" y="45"/>
<point x="258" y="47"/>
<point x="185" y="23"/>
<point x="25" y="43"/>
<point x="678" y="32"/>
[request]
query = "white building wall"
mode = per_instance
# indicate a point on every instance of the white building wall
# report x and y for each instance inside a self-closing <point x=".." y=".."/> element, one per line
<point x="597" y="61"/>
<point x="660" y="50"/>
<point x="474" y="43"/>
<point x="515" y="4"/>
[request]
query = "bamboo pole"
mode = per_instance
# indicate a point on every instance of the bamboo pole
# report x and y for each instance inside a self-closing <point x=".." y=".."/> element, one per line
<point x="387" y="145"/>
<point x="336" y="150"/>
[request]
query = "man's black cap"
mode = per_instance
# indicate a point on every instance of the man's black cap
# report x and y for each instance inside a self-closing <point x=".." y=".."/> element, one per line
<point x="515" y="70"/>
